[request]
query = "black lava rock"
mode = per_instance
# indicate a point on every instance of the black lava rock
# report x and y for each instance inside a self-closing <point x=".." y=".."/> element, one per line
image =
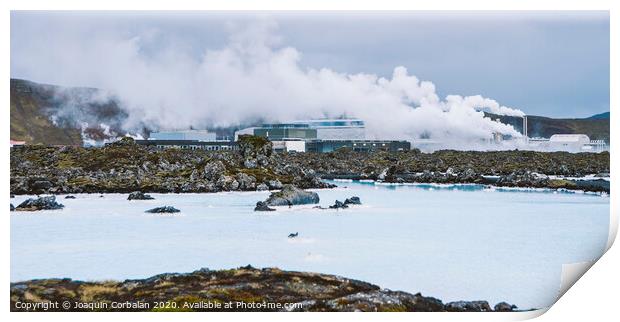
<point x="42" y="203"/>
<point x="504" y="307"/>
<point x="338" y="205"/>
<point x="41" y="185"/>
<point x="164" y="209"/>
<point x="138" y="195"/>
<point x="291" y="195"/>
<point x="262" y="206"/>
<point x="353" y="201"/>
<point x="468" y="306"/>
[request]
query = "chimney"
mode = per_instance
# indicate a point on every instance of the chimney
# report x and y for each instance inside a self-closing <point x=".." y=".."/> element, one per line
<point x="525" y="126"/>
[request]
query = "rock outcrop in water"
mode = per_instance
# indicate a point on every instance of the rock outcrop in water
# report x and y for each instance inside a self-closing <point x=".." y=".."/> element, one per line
<point x="137" y="195"/>
<point x="338" y="205"/>
<point x="343" y="205"/>
<point x="124" y="167"/>
<point x="504" y="307"/>
<point x="41" y="203"/>
<point x="468" y="306"/>
<point x="528" y="179"/>
<point x="163" y="210"/>
<point x="353" y="201"/>
<point x="247" y="288"/>
<point x="290" y="196"/>
<point x="262" y="206"/>
<point x="600" y="185"/>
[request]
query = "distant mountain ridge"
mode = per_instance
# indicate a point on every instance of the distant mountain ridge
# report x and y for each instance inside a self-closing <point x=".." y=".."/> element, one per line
<point x="55" y="115"/>
<point x="29" y="121"/>
<point x="597" y="128"/>
<point x="601" y="116"/>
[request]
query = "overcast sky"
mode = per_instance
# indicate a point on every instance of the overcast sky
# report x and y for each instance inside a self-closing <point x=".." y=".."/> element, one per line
<point x="552" y="64"/>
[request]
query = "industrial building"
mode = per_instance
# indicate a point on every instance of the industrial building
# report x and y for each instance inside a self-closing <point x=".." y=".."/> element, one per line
<point x="323" y="129"/>
<point x="190" y="144"/>
<point x="327" y="135"/>
<point x="572" y="142"/>
<point x="575" y="143"/>
<point x="197" y="135"/>
<point x="562" y="142"/>
<point x="324" y="135"/>
<point x="567" y="143"/>
<point x="187" y="139"/>
<point x="289" y="146"/>
<point x="336" y="129"/>
<point x="323" y="146"/>
<point x="286" y="131"/>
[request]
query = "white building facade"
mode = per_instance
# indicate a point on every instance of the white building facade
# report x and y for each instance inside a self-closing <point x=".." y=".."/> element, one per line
<point x="568" y="143"/>
<point x="197" y="135"/>
<point x="289" y="146"/>
<point x="336" y="129"/>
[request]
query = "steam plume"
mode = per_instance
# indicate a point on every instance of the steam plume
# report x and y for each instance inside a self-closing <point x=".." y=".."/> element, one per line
<point x="254" y="78"/>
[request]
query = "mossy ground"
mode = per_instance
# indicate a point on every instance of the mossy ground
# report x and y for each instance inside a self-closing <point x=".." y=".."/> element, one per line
<point x="125" y="167"/>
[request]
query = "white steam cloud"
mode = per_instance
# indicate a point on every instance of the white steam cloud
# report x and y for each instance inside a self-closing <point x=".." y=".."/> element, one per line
<point x="253" y="78"/>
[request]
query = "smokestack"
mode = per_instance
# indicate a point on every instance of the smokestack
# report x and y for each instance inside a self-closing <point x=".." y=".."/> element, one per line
<point x="525" y="127"/>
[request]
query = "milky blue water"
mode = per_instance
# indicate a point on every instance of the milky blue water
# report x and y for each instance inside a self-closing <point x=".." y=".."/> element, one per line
<point x="459" y="243"/>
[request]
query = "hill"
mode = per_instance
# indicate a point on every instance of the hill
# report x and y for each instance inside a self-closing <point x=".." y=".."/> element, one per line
<point x="540" y="126"/>
<point x="55" y="115"/>
<point x="601" y="116"/>
<point x="29" y="121"/>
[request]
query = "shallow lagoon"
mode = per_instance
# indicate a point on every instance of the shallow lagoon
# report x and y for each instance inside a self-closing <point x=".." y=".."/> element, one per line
<point x="450" y="242"/>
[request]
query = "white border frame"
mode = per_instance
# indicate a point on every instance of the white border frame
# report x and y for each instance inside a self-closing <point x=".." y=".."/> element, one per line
<point x="591" y="297"/>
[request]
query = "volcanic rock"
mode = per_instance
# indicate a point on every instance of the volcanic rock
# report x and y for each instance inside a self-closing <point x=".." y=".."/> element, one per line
<point x="227" y="183"/>
<point x="214" y="170"/>
<point x="41" y="185"/>
<point x="291" y="195"/>
<point x="338" y="205"/>
<point x="274" y="184"/>
<point x="262" y="206"/>
<point x="504" y="307"/>
<point x="246" y="182"/>
<point x="468" y="306"/>
<point x="138" y="195"/>
<point x="353" y="201"/>
<point x="524" y="178"/>
<point x="164" y="209"/>
<point x="41" y="203"/>
<point x="124" y="167"/>
<point x="311" y="291"/>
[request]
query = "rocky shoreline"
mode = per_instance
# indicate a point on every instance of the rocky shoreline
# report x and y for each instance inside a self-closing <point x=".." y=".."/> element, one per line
<point x="518" y="179"/>
<point x="124" y="167"/>
<point x="241" y="289"/>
